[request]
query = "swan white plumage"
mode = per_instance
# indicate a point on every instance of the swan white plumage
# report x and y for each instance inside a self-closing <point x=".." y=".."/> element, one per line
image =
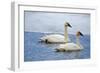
<point x="57" y="38"/>
<point x="54" y="38"/>
<point x="71" y="46"/>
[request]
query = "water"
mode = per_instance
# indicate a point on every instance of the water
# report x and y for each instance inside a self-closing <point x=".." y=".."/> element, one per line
<point x="36" y="51"/>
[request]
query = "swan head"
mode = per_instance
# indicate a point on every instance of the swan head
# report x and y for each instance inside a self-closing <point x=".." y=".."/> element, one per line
<point x="67" y="24"/>
<point x="79" y="34"/>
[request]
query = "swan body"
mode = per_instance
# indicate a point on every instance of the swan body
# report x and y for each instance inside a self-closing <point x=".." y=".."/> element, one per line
<point x="69" y="47"/>
<point x="57" y="38"/>
<point x="54" y="38"/>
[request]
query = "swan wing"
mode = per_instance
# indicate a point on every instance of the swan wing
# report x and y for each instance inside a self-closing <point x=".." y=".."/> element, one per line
<point x="54" y="38"/>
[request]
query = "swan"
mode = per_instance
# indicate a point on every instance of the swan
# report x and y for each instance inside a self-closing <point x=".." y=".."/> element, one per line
<point x="57" y="38"/>
<point x="71" y="46"/>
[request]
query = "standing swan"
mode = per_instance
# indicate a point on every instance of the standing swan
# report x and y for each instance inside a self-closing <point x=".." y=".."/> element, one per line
<point x="71" y="46"/>
<point x="57" y="38"/>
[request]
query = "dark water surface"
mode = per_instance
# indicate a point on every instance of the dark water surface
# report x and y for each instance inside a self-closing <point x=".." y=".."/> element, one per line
<point x="36" y="51"/>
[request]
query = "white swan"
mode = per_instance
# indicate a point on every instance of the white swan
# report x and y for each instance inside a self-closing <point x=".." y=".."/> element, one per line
<point x="57" y="38"/>
<point x="71" y="46"/>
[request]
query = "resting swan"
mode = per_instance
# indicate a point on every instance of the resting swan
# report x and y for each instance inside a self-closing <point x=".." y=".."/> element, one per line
<point x="71" y="46"/>
<point x="57" y="38"/>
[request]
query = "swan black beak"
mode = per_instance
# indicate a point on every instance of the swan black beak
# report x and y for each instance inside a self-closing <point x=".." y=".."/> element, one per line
<point x="81" y="33"/>
<point x="69" y="25"/>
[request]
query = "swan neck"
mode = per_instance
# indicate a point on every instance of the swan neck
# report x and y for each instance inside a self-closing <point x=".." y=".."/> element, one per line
<point x="77" y="40"/>
<point x="66" y="34"/>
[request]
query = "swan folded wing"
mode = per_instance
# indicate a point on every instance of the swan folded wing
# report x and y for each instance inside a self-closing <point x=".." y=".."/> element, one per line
<point x="70" y="47"/>
<point x="54" y="38"/>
